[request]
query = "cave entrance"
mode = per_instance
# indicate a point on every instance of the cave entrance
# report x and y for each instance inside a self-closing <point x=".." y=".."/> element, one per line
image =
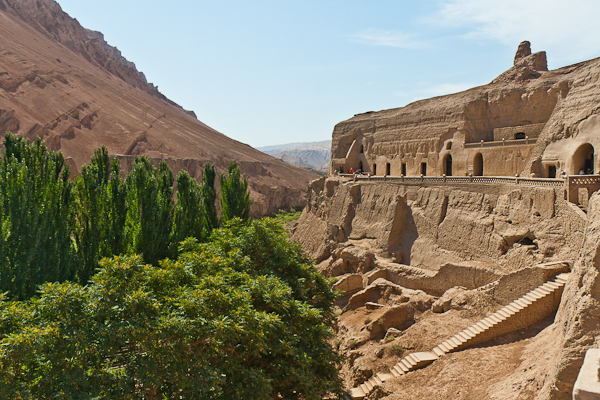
<point x="448" y="165"/>
<point x="388" y="169"/>
<point x="360" y="166"/>
<point x="478" y="165"/>
<point x="374" y="169"/>
<point x="583" y="160"/>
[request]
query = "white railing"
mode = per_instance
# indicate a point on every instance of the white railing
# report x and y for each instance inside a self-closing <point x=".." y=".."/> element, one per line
<point x="488" y="180"/>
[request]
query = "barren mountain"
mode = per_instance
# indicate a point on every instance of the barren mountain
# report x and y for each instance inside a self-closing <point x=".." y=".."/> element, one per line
<point x="65" y="84"/>
<point x="315" y="155"/>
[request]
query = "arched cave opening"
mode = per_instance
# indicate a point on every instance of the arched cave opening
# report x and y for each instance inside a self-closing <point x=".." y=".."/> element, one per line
<point x="478" y="165"/>
<point x="448" y="165"/>
<point x="520" y="135"/>
<point x="583" y="160"/>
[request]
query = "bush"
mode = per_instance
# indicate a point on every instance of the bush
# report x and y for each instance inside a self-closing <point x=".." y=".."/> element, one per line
<point x="243" y="316"/>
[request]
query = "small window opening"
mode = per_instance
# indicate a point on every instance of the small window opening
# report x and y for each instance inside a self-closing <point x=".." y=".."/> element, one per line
<point x="362" y="149"/>
<point x="520" y="135"/>
<point x="449" y="146"/>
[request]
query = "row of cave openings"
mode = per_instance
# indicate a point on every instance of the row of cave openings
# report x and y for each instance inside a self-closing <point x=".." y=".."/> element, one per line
<point x="582" y="164"/>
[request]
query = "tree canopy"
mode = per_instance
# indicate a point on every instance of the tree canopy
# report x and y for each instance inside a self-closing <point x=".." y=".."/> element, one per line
<point x="242" y="316"/>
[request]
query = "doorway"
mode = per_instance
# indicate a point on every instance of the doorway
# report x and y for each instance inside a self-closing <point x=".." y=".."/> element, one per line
<point x="448" y="165"/>
<point x="478" y="165"/>
<point x="583" y="160"/>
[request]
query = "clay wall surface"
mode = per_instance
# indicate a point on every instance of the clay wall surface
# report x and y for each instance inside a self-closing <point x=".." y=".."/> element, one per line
<point x="505" y="227"/>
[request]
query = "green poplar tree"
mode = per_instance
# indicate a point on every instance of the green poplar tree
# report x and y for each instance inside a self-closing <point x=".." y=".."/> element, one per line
<point x="149" y="202"/>
<point x="188" y="221"/>
<point x="235" y="197"/>
<point x="209" y="197"/>
<point x="99" y="219"/>
<point x="35" y="198"/>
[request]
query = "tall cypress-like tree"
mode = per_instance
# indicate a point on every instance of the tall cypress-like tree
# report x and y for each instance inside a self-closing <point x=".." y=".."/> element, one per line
<point x="149" y="202"/>
<point x="235" y="197"/>
<point x="209" y="198"/>
<point x="35" y="198"/>
<point x="188" y="221"/>
<point x="99" y="206"/>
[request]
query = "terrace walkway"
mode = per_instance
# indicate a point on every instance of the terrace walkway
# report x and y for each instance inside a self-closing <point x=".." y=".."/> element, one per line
<point x="578" y="188"/>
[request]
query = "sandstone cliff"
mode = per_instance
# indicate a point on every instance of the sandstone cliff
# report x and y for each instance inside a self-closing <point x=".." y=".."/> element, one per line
<point x="518" y="123"/>
<point x="66" y="85"/>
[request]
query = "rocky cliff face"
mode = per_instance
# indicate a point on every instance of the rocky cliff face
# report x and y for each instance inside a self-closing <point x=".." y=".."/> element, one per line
<point x="507" y="227"/>
<point x="65" y="84"/>
<point x="420" y="262"/>
<point x="556" y="103"/>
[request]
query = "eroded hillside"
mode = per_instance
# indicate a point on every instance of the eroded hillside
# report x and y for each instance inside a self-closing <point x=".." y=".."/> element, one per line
<point x="65" y="84"/>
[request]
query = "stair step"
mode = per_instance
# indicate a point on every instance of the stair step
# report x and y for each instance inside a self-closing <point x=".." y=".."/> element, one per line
<point x="450" y="345"/>
<point x="407" y="364"/>
<point x="376" y="380"/>
<point x="397" y="371"/>
<point x="473" y="331"/>
<point x="514" y="308"/>
<point x="484" y="326"/>
<point x="493" y="319"/>
<point x="523" y="301"/>
<point x="357" y="393"/>
<point x="464" y="336"/>
<point x="403" y="367"/>
<point x="532" y="297"/>
<point x="369" y="386"/>
<point x="503" y="313"/>
<point x="542" y="291"/>
<point x="552" y="285"/>
<point x="438" y="350"/>
<point x="412" y="359"/>
<point x="384" y="377"/>
<point x="456" y="342"/>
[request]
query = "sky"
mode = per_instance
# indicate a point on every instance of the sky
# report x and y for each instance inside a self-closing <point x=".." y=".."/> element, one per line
<point x="269" y="72"/>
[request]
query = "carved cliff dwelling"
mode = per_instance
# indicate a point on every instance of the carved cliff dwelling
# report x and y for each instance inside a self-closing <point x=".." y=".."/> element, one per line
<point x="505" y="128"/>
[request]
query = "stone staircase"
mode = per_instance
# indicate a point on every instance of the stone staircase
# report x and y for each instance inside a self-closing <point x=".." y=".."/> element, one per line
<point x="532" y="307"/>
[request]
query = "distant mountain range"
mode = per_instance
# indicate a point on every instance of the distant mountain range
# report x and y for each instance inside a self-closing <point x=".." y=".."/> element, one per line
<point x="314" y="155"/>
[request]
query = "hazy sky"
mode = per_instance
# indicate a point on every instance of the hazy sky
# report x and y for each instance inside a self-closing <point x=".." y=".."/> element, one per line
<point x="281" y="71"/>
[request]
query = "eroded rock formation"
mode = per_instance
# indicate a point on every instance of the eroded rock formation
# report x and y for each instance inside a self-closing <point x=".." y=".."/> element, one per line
<point x="527" y="121"/>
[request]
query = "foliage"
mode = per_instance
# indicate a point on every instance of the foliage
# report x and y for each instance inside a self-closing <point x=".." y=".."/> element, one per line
<point x="149" y="202"/>
<point x="209" y="197"/>
<point x="283" y="218"/>
<point x="188" y="221"/>
<point x="99" y="208"/>
<point x="235" y="197"/>
<point x="35" y="201"/>
<point x="243" y="316"/>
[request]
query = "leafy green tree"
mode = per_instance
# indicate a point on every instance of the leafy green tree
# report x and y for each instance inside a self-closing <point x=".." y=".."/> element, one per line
<point x="99" y="206"/>
<point x="35" y="201"/>
<point x="235" y="197"/>
<point x="209" y="197"/>
<point x="220" y="323"/>
<point x="149" y="203"/>
<point x="188" y="221"/>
